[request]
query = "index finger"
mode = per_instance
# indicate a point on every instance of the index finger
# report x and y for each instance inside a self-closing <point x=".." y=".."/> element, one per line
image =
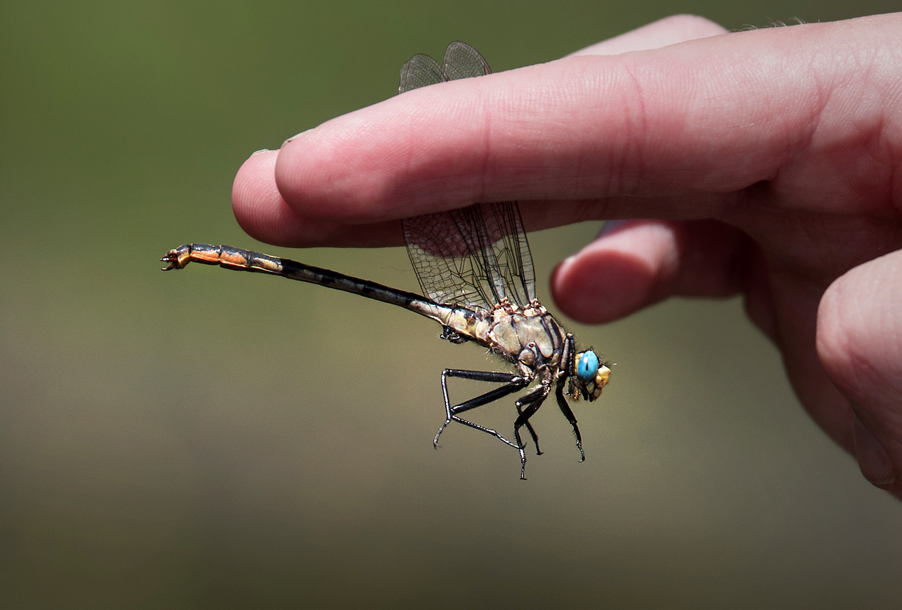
<point x="676" y="132"/>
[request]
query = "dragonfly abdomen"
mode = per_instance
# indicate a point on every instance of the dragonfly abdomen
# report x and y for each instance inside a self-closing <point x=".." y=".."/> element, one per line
<point x="238" y="259"/>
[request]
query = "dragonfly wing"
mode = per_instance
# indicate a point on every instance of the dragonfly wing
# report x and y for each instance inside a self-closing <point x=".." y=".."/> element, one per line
<point x="441" y="248"/>
<point x="463" y="61"/>
<point x="476" y="256"/>
<point x="511" y="250"/>
<point x="420" y="71"/>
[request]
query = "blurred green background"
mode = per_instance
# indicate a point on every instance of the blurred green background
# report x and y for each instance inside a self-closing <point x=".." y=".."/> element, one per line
<point x="212" y="440"/>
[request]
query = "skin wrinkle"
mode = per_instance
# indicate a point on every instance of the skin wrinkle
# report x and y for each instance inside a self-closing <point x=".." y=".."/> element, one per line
<point x="487" y="175"/>
<point x="856" y="359"/>
<point x="609" y="179"/>
<point x="705" y="80"/>
<point x="895" y="184"/>
<point x="792" y="149"/>
<point x="401" y="186"/>
<point x="583" y="178"/>
<point x="893" y="192"/>
<point x="881" y="55"/>
<point x="894" y="155"/>
<point x="528" y="116"/>
<point x="882" y="153"/>
<point x="875" y="161"/>
<point x="855" y="373"/>
<point x="408" y="157"/>
<point x="787" y="118"/>
<point x="874" y="145"/>
<point x="864" y="85"/>
<point x="755" y="109"/>
<point x="637" y="130"/>
<point x="586" y="177"/>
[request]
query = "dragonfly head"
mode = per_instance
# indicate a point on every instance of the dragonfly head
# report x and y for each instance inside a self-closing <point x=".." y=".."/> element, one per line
<point x="590" y="375"/>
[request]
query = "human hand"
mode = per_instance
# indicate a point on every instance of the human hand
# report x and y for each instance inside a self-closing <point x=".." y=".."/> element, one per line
<point x="766" y="162"/>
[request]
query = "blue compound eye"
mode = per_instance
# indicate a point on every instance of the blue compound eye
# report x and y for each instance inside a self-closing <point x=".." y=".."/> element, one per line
<point x="587" y="367"/>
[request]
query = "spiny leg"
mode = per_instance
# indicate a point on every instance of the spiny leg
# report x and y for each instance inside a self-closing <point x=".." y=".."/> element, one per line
<point x="514" y="383"/>
<point x="568" y="413"/>
<point x="569" y="360"/>
<point x="534" y="400"/>
<point x="524" y="401"/>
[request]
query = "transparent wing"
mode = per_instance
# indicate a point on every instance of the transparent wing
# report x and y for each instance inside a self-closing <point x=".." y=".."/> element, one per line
<point x="476" y="256"/>
<point x="463" y="61"/>
<point x="511" y="251"/>
<point x="420" y="71"/>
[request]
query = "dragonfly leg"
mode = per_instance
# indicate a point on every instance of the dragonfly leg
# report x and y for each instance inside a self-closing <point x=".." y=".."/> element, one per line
<point x="532" y="433"/>
<point x="514" y="383"/>
<point x="536" y="395"/>
<point x="569" y="358"/>
<point x="533" y="401"/>
<point x="568" y="413"/>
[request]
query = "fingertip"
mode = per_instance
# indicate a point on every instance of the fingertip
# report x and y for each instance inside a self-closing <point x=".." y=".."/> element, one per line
<point x="307" y="171"/>
<point x="256" y="170"/>
<point x="257" y="204"/>
<point x="345" y="170"/>
<point x="639" y="262"/>
<point x="598" y="287"/>
<point x="253" y="190"/>
<point x="608" y="279"/>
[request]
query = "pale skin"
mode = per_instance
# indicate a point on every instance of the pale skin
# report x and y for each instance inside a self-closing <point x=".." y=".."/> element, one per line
<point x="766" y="163"/>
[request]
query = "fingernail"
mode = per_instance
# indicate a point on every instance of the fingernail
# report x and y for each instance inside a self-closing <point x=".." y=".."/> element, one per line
<point x="872" y="457"/>
<point x="295" y="137"/>
<point x="260" y="152"/>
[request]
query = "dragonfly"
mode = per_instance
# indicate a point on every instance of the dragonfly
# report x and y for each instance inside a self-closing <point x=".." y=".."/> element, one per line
<point x="476" y="273"/>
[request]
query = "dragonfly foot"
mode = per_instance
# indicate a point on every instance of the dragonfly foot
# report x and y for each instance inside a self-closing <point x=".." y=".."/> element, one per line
<point x="441" y="429"/>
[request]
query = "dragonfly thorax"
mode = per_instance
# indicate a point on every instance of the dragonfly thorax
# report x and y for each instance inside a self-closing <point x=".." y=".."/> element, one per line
<point x="528" y="336"/>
